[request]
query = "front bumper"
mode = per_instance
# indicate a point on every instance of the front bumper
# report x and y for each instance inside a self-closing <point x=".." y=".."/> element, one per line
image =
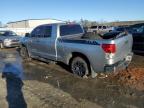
<point x="12" y="44"/>
<point x="121" y="65"/>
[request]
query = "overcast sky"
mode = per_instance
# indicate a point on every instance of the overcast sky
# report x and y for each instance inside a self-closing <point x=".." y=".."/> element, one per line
<point x="95" y="10"/>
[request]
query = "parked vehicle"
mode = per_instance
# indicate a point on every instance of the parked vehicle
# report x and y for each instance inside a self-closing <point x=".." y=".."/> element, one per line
<point x="137" y="32"/>
<point x="67" y="43"/>
<point x="9" y="39"/>
<point x="120" y="29"/>
<point x="131" y="29"/>
<point x="138" y="37"/>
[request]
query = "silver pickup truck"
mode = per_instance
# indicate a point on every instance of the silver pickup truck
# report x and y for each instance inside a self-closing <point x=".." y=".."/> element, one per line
<point x="84" y="53"/>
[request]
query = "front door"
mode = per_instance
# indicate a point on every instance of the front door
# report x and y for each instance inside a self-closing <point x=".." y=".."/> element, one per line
<point x="34" y="41"/>
<point x="42" y="42"/>
<point x="47" y="44"/>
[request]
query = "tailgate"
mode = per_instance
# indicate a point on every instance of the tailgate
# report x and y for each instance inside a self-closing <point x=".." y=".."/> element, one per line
<point x="123" y="47"/>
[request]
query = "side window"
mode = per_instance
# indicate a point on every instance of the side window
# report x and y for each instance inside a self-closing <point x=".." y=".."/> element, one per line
<point x="94" y="27"/>
<point x="104" y="27"/>
<point x="100" y="27"/>
<point x="70" y="29"/>
<point x="48" y="31"/>
<point x="38" y="32"/>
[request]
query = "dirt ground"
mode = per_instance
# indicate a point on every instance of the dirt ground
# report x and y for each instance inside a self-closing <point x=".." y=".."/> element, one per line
<point x="36" y="84"/>
<point x="133" y="77"/>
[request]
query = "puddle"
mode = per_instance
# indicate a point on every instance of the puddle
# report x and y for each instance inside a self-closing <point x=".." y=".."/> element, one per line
<point x="11" y="63"/>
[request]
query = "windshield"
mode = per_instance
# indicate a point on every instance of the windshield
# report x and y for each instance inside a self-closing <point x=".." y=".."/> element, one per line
<point x="120" y="29"/>
<point x="140" y="30"/>
<point x="7" y="33"/>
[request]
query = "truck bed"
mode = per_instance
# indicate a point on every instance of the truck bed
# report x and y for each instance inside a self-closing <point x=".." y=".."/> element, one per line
<point x="95" y="36"/>
<point x="92" y="46"/>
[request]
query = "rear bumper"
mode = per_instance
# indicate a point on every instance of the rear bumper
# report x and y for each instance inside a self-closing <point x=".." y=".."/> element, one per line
<point x="119" y="65"/>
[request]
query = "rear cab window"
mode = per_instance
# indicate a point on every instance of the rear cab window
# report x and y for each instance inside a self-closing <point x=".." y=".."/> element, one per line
<point x="70" y="29"/>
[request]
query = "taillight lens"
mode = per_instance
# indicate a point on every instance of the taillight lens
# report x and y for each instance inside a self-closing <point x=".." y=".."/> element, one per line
<point x="109" y="48"/>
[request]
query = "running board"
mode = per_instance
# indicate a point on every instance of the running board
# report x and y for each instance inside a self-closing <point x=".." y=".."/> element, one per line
<point x="44" y="60"/>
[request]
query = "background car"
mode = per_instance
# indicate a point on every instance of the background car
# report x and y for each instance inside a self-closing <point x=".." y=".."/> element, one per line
<point x="137" y="31"/>
<point x="138" y="37"/>
<point x="9" y="39"/>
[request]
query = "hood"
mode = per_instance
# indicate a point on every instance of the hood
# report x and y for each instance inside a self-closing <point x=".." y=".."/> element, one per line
<point x="10" y="37"/>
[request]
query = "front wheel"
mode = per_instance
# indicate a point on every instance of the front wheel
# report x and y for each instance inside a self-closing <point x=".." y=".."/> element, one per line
<point x="1" y="46"/>
<point x="80" y="67"/>
<point x="24" y="53"/>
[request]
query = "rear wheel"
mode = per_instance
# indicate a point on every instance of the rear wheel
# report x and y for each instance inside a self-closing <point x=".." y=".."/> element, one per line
<point x="24" y="53"/>
<point x="80" y="67"/>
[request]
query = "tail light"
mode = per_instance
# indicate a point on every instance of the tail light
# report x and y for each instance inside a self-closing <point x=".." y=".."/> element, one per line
<point x="109" y="48"/>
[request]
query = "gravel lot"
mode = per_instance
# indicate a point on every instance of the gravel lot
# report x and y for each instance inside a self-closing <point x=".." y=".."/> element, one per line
<point x="40" y="85"/>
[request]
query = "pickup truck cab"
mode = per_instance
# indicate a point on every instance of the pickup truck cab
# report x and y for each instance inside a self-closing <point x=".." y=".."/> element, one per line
<point x="67" y="43"/>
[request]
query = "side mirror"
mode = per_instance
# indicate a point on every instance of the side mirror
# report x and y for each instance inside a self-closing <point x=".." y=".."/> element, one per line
<point x="27" y="35"/>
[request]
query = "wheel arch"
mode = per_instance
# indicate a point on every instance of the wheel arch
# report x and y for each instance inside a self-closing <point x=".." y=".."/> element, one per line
<point x="23" y="45"/>
<point x="78" y="54"/>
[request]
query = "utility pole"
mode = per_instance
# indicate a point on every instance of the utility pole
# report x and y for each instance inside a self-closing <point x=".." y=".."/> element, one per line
<point x="0" y="24"/>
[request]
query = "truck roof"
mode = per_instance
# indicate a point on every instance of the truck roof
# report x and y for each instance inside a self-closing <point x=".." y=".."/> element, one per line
<point x="59" y="24"/>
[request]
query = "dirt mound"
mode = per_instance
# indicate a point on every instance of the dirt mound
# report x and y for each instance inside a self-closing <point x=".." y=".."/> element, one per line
<point x="133" y="77"/>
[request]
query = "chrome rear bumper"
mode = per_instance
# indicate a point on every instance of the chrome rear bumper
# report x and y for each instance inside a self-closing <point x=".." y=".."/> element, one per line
<point x="121" y="65"/>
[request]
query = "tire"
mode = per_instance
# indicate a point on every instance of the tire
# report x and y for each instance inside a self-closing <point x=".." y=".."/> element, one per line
<point x="1" y="46"/>
<point x="79" y="66"/>
<point x="24" y="53"/>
